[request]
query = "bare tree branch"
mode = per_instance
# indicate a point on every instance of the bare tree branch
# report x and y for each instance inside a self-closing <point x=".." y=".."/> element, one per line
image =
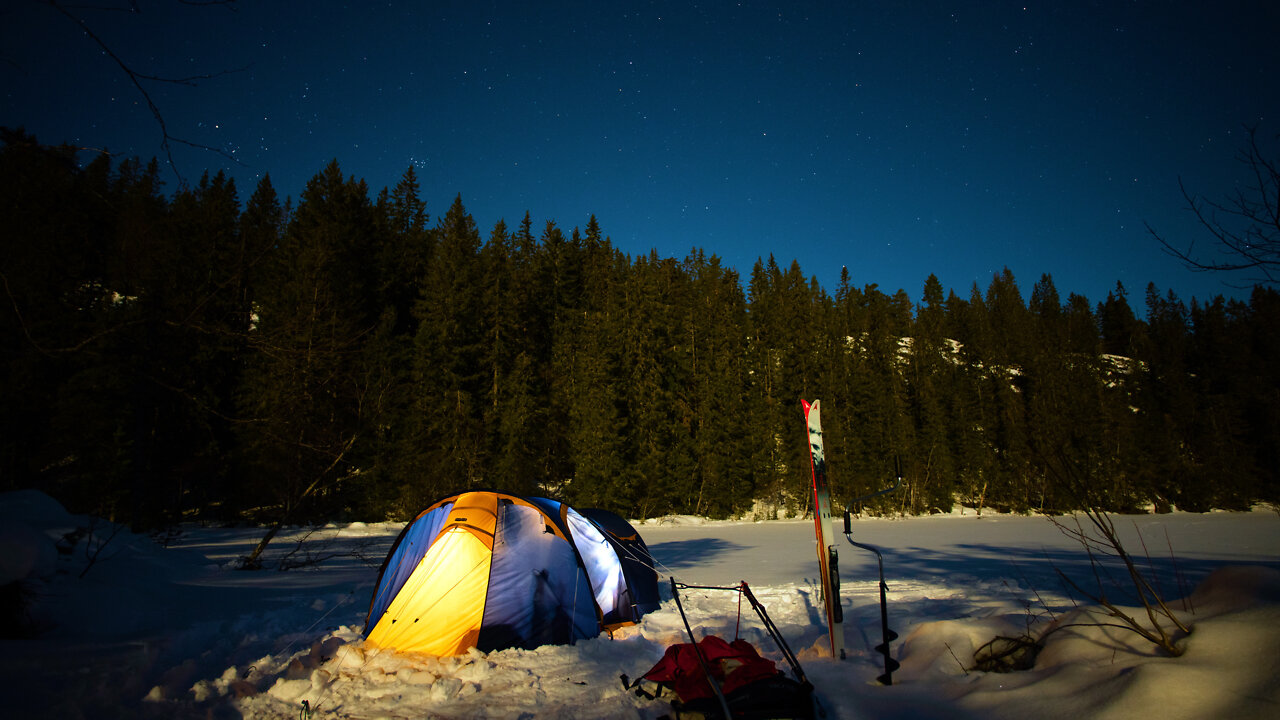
<point x="167" y="139"/>
<point x="1245" y="227"/>
<point x="252" y="561"/>
<point x="1103" y="539"/>
<point x="192" y="80"/>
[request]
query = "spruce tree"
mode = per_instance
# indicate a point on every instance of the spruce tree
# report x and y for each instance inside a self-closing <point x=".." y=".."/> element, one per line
<point x="1121" y="332"/>
<point x="930" y="378"/>
<point x="514" y="415"/>
<point x="717" y="322"/>
<point x="444" y="448"/>
<point x="599" y="406"/>
<point x="306" y="386"/>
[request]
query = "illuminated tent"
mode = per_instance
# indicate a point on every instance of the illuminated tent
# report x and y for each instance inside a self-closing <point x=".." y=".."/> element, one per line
<point x="491" y="570"/>
<point x="637" y="565"/>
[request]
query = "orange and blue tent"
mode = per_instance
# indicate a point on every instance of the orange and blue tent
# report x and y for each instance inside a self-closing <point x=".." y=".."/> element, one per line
<point x="492" y="570"/>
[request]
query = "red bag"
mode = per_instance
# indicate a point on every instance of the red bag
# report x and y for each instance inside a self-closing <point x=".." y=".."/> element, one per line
<point x="732" y="665"/>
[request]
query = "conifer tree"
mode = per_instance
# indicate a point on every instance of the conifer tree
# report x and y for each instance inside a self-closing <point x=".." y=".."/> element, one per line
<point x="189" y="355"/>
<point x="783" y="372"/>
<point x="1163" y="391"/>
<point x="598" y="407"/>
<point x="762" y="369"/>
<point x="656" y="357"/>
<point x="305" y="387"/>
<point x="55" y="216"/>
<point x="514" y="409"/>
<point x="1061" y="393"/>
<point x="717" y="323"/>
<point x="74" y="323"/>
<point x="444" y="449"/>
<point x="971" y="406"/>
<point x="881" y="401"/>
<point x="1081" y="327"/>
<point x="1009" y="322"/>
<point x="1120" y="329"/>
<point x="1006" y="381"/>
<point x="1261" y="337"/>
<point x="1217" y="429"/>
<point x="405" y="250"/>
<point x="930" y="379"/>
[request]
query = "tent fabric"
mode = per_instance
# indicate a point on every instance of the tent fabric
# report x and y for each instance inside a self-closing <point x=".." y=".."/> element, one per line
<point x="406" y="553"/>
<point x="492" y="570"/>
<point x="539" y="593"/>
<point x="604" y="570"/>
<point x="637" y="563"/>
<point x="448" y="594"/>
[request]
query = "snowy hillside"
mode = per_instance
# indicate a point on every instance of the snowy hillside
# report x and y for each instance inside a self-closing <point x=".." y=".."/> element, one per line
<point x="156" y="631"/>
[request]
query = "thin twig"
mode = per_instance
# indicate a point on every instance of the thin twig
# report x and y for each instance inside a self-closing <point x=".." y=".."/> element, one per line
<point x="957" y="659"/>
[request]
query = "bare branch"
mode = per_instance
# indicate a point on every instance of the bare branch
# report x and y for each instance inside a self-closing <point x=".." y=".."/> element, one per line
<point x="167" y="139"/>
<point x="253" y="560"/>
<point x="1104" y="538"/>
<point x="192" y="80"/>
<point x="92" y="551"/>
<point x="1245" y="227"/>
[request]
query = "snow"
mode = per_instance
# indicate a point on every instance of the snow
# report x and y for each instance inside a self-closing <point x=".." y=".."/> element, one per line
<point x="166" y="627"/>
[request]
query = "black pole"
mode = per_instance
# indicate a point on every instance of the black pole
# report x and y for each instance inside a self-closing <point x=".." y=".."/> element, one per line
<point x="775" y="634"/>
<point x="706" y="669"/>
<point x="888" y="635"/>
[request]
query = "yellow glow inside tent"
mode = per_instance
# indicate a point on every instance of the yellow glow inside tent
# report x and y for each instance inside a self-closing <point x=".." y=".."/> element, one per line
<point x="440" y="608"/>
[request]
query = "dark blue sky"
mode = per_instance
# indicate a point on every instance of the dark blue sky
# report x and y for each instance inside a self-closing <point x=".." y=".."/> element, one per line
<point x="898" y="139"/>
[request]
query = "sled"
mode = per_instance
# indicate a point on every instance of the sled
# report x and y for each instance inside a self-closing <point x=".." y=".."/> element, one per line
<point x="720" y="680"/>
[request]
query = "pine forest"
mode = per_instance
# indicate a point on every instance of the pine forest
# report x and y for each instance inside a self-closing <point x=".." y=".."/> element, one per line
<point x="345" y="355"/>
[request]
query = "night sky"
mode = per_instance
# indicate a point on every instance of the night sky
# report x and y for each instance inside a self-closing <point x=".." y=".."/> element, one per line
<point x="896" y="138"/>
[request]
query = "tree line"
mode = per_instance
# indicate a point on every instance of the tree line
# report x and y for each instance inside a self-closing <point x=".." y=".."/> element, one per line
<point x="347" y="356"/>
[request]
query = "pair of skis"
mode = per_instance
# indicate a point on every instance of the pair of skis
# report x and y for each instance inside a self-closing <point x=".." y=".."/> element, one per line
<point x="828" y="557"/>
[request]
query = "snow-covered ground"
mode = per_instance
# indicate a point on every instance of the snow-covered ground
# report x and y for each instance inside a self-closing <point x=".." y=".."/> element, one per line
<point x="173" y="631"/>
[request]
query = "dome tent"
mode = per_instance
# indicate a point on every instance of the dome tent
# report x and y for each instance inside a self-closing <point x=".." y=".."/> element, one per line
<point x="492" y="570"/>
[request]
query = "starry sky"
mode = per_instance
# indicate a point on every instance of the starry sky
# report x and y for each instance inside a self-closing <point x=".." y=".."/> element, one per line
<point x="898" y="139"/>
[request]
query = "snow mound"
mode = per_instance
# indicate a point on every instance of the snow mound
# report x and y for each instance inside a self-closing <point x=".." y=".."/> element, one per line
<point x="37" y="509"/>
<point x="1233" y="588"/>
<point x="25" y="552"/>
